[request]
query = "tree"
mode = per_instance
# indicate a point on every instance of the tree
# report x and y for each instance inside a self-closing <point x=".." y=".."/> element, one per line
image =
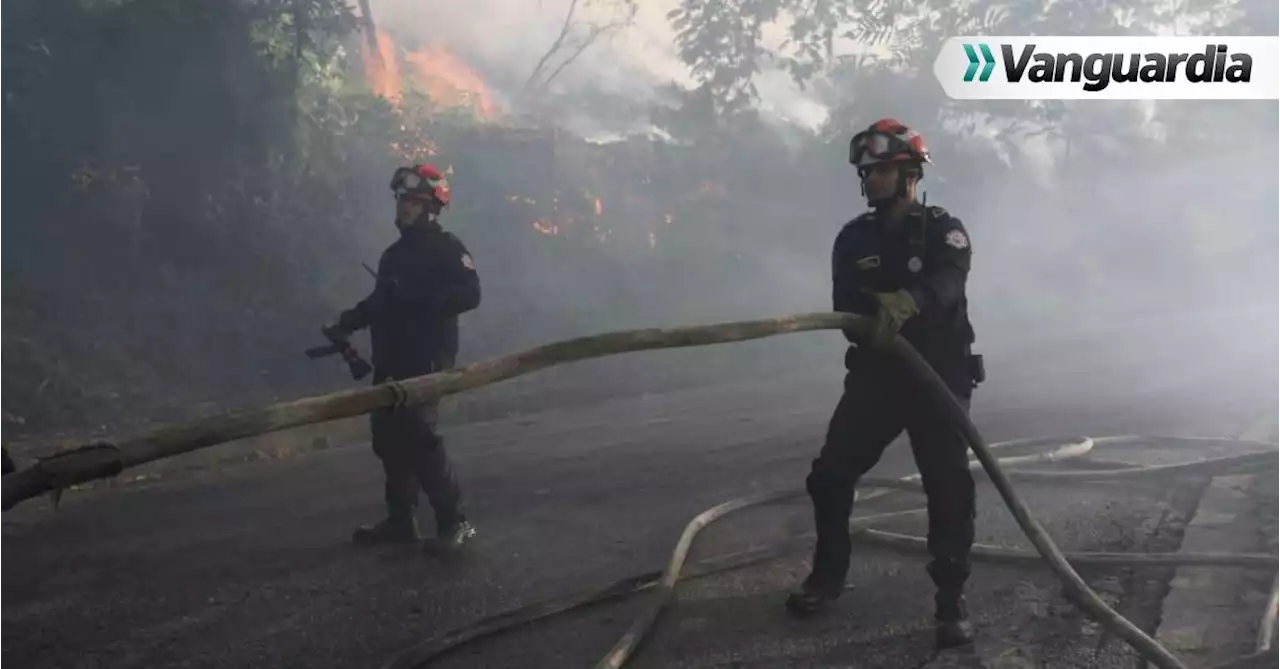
<point x="722" y="42"/>
<point x="576" y="36"/>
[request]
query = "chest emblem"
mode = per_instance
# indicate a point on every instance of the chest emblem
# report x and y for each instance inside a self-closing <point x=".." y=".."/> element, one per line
<point x="915" y="264"/>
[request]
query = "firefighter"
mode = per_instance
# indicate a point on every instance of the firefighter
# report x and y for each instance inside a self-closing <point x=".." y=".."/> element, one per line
<point x="903" y="264"/>
<point x="424" y="281"/>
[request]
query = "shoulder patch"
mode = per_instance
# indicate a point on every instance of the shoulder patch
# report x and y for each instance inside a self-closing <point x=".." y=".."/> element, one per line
<point x="957" y="239"/>
<point x="468" y="262"/>
<point x="938" y="212"/>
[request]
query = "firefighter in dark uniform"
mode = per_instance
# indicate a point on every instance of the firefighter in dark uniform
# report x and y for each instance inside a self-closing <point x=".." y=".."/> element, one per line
<point x="425" y="280"/>
<point x="905" y="265"/>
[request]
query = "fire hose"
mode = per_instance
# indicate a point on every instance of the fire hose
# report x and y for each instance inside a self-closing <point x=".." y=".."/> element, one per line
<point x="103" y="460"/>
<point x="664" y="581"/>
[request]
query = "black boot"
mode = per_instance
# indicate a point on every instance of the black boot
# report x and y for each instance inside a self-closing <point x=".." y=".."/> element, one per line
<point x="812" y="597"/>
<point x="951" y="615"/>
<point x="454" y="536"/>
<point x="952" y="626"/>
<point x="832" y="503"/>
<point x="395" y="529"/>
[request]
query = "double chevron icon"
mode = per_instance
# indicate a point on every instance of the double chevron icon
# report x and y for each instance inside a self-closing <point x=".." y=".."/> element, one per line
<point x="988" y="62"/>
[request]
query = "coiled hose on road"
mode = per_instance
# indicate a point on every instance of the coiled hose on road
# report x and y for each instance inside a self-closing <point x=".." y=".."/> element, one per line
<point x="107" y="459"/>
<point x="664" y="581"/>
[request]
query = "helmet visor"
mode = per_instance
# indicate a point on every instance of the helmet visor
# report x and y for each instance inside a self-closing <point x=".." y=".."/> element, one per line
<point x="868" y="148"/>
<point x="406" y="180"/>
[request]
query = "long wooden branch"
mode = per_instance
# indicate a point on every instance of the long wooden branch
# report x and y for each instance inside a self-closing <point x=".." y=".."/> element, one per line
<point x="592" y="36"/>
<point x="374" y="52"/>
<point x="370" y="28"/>
<point x="555" y="46"/>
<point x="108" y="458"/>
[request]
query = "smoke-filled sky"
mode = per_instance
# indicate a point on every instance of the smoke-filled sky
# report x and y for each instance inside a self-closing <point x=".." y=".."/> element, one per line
<point x="503" y="39"/>
<point x="1061" y="246"/>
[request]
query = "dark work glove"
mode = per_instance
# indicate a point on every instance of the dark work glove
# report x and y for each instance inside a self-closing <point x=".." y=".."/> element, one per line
<point x="894" y="309"/>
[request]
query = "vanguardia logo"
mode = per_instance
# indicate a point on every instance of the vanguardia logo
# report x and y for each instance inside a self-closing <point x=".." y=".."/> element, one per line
<point x="1146" y="67"/>
<point x="988" y="62"/>
<point x="1098" y="70"/>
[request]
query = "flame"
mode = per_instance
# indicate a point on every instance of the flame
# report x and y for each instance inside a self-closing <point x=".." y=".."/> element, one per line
<point x="566" y="223"/>
<point x="450" y="82"/>
<point x="382" y="70"/>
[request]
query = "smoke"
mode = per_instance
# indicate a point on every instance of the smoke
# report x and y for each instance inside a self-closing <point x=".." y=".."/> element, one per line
<point x="1084" y="235"/>
<point x="1165" y="264"/>
<point x="1130" y="246"/>
<point x="1121" y="220"/>
<point x="504" y="39"/>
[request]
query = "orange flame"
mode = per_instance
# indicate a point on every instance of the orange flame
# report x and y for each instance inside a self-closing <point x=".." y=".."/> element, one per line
<point x="599" y="207"/>
<point x="382" y="70"/>
<point x="450" y="82"/>
<point x="546" y="228"/>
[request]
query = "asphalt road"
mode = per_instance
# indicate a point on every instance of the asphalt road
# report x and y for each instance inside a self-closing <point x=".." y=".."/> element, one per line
<point x="250" y="565"/>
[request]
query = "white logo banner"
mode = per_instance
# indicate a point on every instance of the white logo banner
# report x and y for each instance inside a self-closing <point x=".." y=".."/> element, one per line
<point x="1112" y="68"/>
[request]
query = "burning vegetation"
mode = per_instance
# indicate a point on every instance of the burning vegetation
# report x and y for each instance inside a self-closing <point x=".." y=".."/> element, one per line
<point x="567" y="185"/>
<point x="447" y="81"/>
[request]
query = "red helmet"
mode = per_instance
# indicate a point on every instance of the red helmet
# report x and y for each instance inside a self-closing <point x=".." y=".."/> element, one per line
<point x="424" y="182"/>
<point x="887" y="140"/>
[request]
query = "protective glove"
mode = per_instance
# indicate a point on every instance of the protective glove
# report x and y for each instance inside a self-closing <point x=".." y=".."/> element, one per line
<point x="894" y="309"/>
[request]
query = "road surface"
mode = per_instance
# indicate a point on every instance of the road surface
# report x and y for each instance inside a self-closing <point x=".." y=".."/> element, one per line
<point x="249" y="566"/>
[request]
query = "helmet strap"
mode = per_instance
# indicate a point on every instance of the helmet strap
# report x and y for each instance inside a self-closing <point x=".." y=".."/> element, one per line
<point x="904" y="186"/>
<point x="429" y="215"/>
<point x="906" y="173"/>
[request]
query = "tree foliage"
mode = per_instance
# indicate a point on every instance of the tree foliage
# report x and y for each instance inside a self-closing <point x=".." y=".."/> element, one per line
<point x="850" y="47"/>
<point x="723" y="43"/>
<point x="193" y="183"/>
<point x="155" y="146"/>
<point x="577" y="35"/>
